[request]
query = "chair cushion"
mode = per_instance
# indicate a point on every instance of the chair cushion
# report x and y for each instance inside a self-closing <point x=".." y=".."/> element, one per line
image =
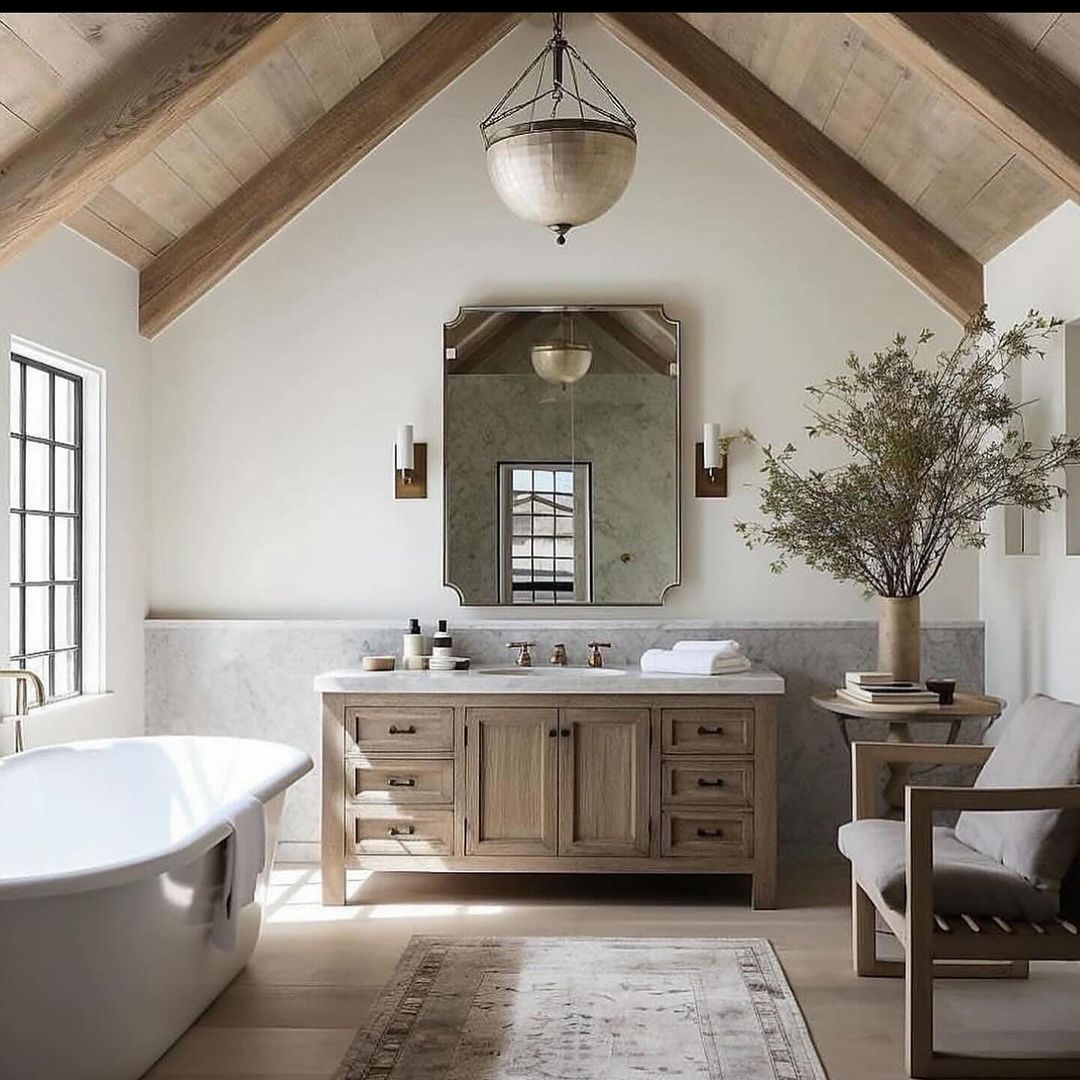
<point x="1039" y="748"/>
<point x="965" y="881"/>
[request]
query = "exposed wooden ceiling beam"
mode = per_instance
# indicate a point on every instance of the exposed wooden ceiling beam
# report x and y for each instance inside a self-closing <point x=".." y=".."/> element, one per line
<point x="624" y="336"/>
<point x="718" y="83"/>
<point x="977" y="62"/>
<point x="428" y="63"/>
<point x="72" y="160"/>
<point x="490" y="337"/>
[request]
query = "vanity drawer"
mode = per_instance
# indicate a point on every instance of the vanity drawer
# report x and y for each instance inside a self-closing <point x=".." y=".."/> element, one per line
<point x="393" y="830"/>
<point x="707" y="731"/>
<point x="400" y="780"/>
<point x="704" y="833"/>
<point x="384" y="728"/>
<point x="706" y="782"/>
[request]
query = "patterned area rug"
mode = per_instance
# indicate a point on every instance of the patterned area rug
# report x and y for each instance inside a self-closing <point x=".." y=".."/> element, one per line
<point x="584" y="1009"/>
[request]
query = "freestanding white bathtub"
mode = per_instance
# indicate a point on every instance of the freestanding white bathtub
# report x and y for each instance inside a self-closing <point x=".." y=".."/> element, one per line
<point x="110" y="867"/>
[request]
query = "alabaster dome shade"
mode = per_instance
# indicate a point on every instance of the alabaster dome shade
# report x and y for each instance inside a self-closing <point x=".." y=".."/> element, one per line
<point x="561" y="362"/>
<point x="562" y="173"/>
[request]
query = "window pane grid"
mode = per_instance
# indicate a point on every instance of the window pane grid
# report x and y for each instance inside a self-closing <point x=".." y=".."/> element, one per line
<point x="538" y="574"/>
<point x="46" y="588"/>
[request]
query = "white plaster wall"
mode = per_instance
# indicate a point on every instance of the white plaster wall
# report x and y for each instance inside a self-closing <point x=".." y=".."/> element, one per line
<point x="1031" y="603"/>
<point x="276" y="397"/>
<point x="70" y="296"/>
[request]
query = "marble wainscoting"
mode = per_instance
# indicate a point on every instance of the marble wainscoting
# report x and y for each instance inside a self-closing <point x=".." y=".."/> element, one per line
<point x="254" y="679"/>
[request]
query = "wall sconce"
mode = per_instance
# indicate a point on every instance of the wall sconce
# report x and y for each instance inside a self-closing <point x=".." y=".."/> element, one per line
<point x="710" y="464"/>
<point x="410" y="465"/>
<point x="711" y="457"/>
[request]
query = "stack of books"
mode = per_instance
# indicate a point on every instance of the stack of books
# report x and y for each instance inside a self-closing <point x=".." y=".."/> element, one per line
<point x="880" y="688"/>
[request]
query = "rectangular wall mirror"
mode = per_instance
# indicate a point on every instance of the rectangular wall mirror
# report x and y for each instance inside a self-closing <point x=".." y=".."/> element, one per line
<point x="561" y="455"/>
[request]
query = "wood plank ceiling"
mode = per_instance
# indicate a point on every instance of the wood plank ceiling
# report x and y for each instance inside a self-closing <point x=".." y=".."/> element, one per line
<point x="903" y="127"/>
<point x="199" y="166"/>
<point x="938" y="157"/>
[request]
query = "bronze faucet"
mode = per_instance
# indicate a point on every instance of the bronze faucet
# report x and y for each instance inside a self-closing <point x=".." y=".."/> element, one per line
<point x="524" y="657"/>
<point x="22" y="706"/>
<point x="558" y="656"/>
<point x="596" y="657"/>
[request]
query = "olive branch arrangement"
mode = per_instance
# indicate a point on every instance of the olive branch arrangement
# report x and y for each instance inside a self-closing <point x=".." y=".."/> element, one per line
<point x="934" y="446"/>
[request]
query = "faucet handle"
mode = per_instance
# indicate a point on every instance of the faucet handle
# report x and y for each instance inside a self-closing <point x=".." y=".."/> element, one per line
<point x="524" y="657"/>
<point x="596" y="657"/>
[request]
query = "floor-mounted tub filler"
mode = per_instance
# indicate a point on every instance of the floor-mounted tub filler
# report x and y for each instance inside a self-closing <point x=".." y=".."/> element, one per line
<point x="113" y="858"/>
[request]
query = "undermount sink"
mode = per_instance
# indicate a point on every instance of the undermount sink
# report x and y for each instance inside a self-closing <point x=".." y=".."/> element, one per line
<point x="553" y="670"/>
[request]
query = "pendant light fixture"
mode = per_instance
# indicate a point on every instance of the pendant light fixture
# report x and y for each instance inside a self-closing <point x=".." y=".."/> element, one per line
<point x="562" y="361"/>
<point x="559" y="170"/>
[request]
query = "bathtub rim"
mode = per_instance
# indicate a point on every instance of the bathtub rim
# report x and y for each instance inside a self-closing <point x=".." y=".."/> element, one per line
<point x="296" y="764"/>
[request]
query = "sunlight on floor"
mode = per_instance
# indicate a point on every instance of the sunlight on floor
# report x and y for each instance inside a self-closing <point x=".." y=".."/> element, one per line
<point x="296" y="897"/>
<point x="428" y="911"/>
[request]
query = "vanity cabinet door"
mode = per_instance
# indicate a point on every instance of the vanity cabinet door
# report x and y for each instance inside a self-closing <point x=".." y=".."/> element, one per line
<point x="512" y="757"/>
<point x="604" y="782"/>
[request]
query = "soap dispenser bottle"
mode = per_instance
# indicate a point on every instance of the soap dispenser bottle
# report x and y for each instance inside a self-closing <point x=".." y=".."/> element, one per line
<point x="442" y="644"/>
<point x="412" y="643"/>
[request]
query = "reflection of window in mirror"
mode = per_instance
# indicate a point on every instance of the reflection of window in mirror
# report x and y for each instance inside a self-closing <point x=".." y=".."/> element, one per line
<point x="544" y="532"/>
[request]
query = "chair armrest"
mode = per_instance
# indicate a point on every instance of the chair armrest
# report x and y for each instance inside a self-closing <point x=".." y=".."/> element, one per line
<point x="866" y="757"/>
<point x="925" y="800"/>
<point x="920" y="804"/>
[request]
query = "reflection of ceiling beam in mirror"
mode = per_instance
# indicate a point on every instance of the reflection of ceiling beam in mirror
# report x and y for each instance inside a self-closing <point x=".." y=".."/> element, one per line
<point x="613" y="326"/>
<point x="477" y="344"/>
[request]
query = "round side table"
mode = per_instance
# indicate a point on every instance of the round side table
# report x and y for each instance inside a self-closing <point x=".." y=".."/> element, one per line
<point x="900" y="718"/>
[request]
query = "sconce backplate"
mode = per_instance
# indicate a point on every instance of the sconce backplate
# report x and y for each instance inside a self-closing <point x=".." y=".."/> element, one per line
<point x="706" y="486"/>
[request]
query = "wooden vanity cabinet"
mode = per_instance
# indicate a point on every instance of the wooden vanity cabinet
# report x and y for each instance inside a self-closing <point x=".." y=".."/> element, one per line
<point x="549" y="783"/>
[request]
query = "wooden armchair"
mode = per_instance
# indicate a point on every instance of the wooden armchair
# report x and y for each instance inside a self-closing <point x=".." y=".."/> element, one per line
<point x="957" y="944"/>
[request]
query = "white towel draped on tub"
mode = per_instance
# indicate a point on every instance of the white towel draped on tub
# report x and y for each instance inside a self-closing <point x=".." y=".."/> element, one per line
<point x="245" y="857"/>
<point x="691" y="662"/>
<point x="726" y="648"/>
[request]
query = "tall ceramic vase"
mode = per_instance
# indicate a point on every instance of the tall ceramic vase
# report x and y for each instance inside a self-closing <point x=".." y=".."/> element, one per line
<point x="899" y="636"/>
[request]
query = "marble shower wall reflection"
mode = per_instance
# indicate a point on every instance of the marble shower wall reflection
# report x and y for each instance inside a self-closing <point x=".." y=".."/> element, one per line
<point x="253" y="679"/>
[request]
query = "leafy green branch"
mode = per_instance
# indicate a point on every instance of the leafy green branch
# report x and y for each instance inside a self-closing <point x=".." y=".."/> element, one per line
<point x="933" y="447"/>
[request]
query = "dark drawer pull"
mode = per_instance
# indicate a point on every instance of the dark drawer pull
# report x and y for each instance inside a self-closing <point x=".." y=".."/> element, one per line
<point x="710" y="834"/>
<point x="401" y="830"/>
<point x="718" y="730"/>
<point x="702" y="782"/>
<point x="401" y="781"/>
<point x="395" y="730"/>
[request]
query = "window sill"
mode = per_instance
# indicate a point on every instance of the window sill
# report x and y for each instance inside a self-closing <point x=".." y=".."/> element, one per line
<point x="57" y="708"/>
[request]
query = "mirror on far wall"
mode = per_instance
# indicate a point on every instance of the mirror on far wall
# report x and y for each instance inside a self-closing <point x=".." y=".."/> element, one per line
<point x="561" y="455"/>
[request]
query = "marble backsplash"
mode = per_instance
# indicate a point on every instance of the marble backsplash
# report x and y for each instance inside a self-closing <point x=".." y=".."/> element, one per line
<point x="254" y="679"/>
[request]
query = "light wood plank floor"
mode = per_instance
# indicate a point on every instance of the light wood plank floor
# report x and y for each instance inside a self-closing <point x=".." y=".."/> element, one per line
<point x="293" y="1012"/>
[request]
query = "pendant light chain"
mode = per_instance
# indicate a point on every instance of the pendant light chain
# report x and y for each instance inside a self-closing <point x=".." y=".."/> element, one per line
<point x="563" y="56"/>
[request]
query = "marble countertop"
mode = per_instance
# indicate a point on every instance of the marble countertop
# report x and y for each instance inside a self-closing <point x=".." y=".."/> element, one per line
<point x="545" y="680"/>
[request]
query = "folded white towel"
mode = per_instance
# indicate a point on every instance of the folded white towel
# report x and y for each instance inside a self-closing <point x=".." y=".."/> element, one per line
<point x="245" y="857"/>
<point x="691" y="662"/>
<point x="725" y="648"/>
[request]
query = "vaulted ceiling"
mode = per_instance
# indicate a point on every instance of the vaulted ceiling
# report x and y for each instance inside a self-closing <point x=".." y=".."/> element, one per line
<point x="182" y="141"/>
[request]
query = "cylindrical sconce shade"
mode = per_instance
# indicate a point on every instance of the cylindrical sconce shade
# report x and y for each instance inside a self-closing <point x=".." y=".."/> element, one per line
<point x="403" y="447"/>
<point x="712" y="446"/>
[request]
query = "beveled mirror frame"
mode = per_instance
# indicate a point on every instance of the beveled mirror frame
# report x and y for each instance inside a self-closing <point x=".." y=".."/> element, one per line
<point x="544" y="309"/>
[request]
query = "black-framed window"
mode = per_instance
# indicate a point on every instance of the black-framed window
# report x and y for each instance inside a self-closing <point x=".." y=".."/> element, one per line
<point x="46" y="524"/>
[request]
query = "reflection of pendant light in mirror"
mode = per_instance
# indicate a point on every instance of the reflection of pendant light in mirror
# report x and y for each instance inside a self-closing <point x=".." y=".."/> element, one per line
<point x="559" y="171"/>
<point x="562" y="361"/>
